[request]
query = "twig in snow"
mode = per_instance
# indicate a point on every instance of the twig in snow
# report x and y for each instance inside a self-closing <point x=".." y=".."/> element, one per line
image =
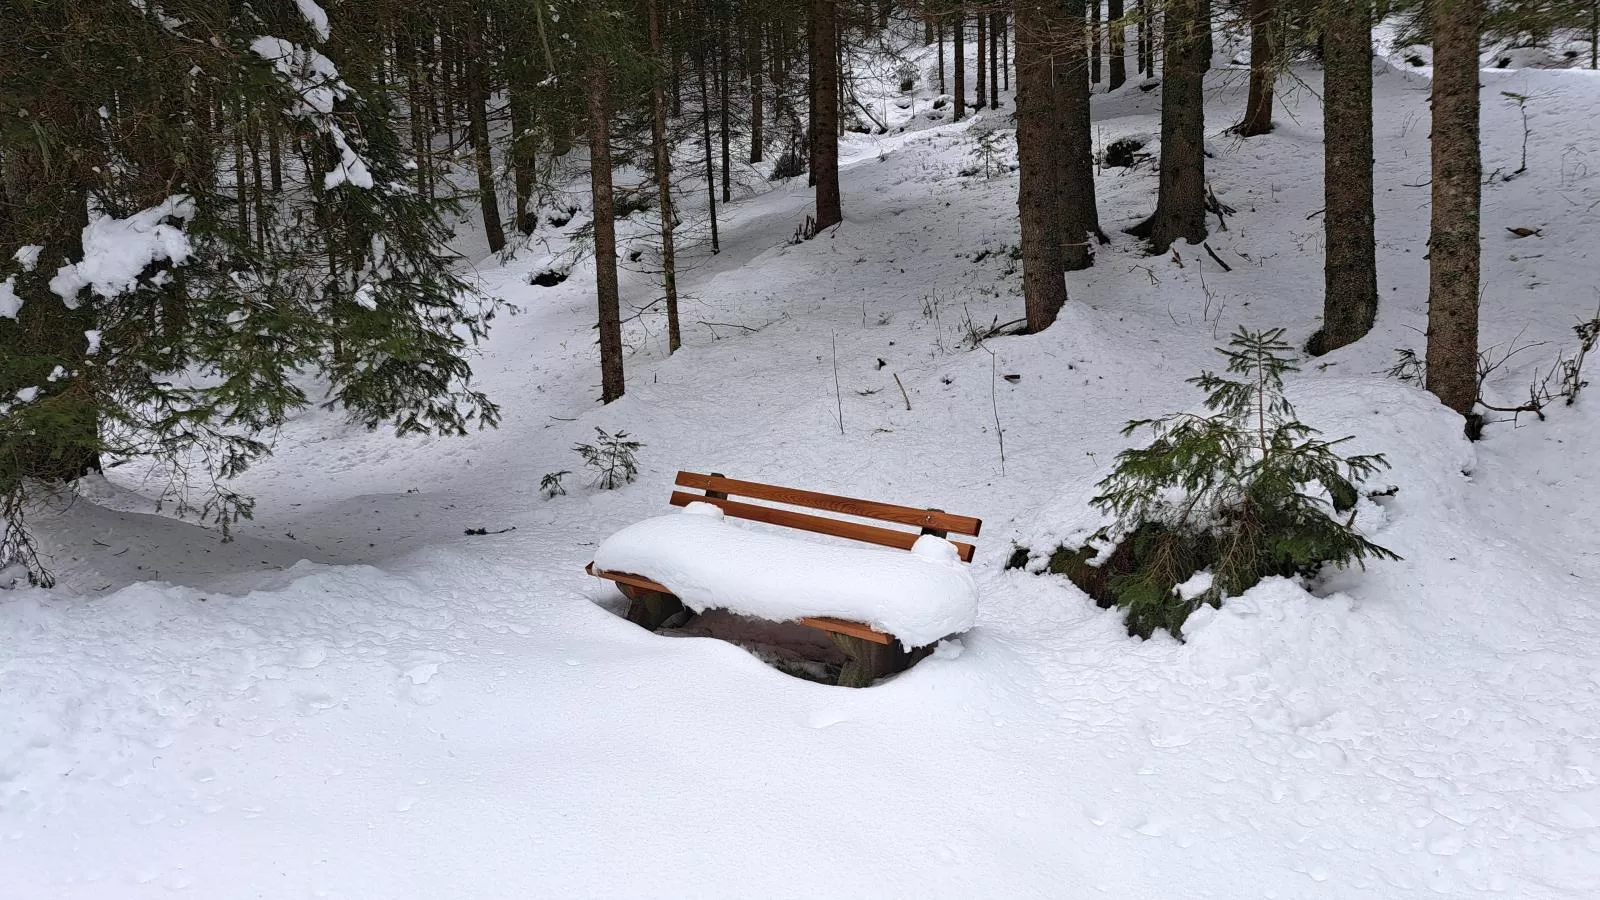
<point x="994" y="403"/>
<point x="903" y="392"/>
<point x="1213" y="255"/>
<point x="838" y="395"/>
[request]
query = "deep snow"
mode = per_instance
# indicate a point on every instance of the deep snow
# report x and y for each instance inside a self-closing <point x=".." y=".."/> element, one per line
<point x="412" y="712"/>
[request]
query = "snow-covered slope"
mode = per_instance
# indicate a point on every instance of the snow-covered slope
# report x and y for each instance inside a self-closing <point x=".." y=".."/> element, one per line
<point x="415" y="712"/>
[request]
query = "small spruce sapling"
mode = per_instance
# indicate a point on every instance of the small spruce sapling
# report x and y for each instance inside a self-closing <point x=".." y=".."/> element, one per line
<point x="550" y="484"/>
<point x="611" y="456"/>
<point x="1245" y="492"/>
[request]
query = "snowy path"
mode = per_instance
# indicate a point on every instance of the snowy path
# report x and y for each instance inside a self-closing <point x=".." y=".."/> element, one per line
<point x="416" y="713"/>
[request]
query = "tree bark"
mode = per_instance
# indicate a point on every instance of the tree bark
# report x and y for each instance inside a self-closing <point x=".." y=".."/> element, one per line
<point x="1181" y="203"/>
<point x="605" y="233"/>
<point x="1264" y="62"/>
<point x="1074" y="144"/>
<point x="825" y="100"/>
<point x="663" y="172"/>
<point x="1116" y="47"/>
<point x="1350" y="272"/>
<point x="1453" y="242"/>
<point x="1044" y="286"/>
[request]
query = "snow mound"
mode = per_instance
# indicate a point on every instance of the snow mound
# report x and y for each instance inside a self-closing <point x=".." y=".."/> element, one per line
<point x="711" y="563"/>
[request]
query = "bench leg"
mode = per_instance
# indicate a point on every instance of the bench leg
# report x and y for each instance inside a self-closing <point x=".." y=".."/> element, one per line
<point x="649" y="609"/>
<point x="867" y="661"/>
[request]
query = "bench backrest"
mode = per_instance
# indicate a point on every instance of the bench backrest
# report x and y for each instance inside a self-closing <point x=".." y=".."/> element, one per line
<point x="718" y="490"/>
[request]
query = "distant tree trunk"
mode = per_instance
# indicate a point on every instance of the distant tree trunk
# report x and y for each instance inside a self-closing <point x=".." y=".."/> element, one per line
<point x="958" y="56"/>
<point x="1005" y="58"/>
<point x="1264" y="63"/>
<point x="756" y="60"/>
<point x="705" y="145"/>
<point x="1453" y="242"/>
<point x="663" y="173"/>
<point x="927" y="29"/>
<point x="1350" y="273"/>
<point x="1181" y="203"/>
<point x="605" y="232"/>
<point x="1147" y="53"/>
<point x="996" y="25"/>
<point x="1044" y="285"/>
<point x="478" y="121"/>
<point x="825" y="100"/>
<point x="1117" y="74"/>
<point x="724" y="98"/>
<point x="524" y="156"/>
<point x="1094" y="41"/>
<point x="981" y="95"/>
<point x="1074" y="144"/>
<point x="939" y="33"/>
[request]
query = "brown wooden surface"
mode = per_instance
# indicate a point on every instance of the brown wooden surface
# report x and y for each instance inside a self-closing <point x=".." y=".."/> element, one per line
<point x="856" y="531"/>
<point x="868" y="509"/>
<point x="840" y="626"/>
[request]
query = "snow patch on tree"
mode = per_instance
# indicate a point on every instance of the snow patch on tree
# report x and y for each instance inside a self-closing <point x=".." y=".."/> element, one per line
<point x="117" y="251"/>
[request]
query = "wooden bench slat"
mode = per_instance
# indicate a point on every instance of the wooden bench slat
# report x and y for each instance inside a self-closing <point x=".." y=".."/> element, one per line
<point x="857" y="531"/>
<point x="826" y="623"/>
<point x="869" y="509"/>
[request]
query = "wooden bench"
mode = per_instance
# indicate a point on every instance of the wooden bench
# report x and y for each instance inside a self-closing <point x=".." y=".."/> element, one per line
<point x="870" y="654"/>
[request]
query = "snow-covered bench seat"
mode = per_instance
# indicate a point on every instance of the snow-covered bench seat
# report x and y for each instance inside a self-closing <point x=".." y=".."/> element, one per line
<point x="883" y="608"/>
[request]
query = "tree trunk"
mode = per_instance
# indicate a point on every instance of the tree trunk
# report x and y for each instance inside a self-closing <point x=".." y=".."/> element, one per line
<point x="605" y="233"/>
<point x="478" y="121"/>
<point x="1074" y="144"/>
<point x="1264" y="62"/>
<point x="1453" y="242"/>
<point x="1116" y="47"/>
<point x="663" y="172"/>
<point x="1044" y="286"/>
<point x="958" y="56"/>
<point x="981" y="95"/>
<point x="1350" y="273"/>
<point x="1181" y="203"/>
<point x="825" y="100"/>
<point x="939" y="33"/>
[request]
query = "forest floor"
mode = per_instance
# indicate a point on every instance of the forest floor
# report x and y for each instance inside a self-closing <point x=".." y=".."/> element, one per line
<point x="357" y="699"/>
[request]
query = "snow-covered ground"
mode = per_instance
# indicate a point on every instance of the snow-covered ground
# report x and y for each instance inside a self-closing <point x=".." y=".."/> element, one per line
<point x="356" y="699"/>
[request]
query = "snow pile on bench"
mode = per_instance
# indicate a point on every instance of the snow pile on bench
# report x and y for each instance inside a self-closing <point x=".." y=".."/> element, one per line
<point x="710" y="563"/>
